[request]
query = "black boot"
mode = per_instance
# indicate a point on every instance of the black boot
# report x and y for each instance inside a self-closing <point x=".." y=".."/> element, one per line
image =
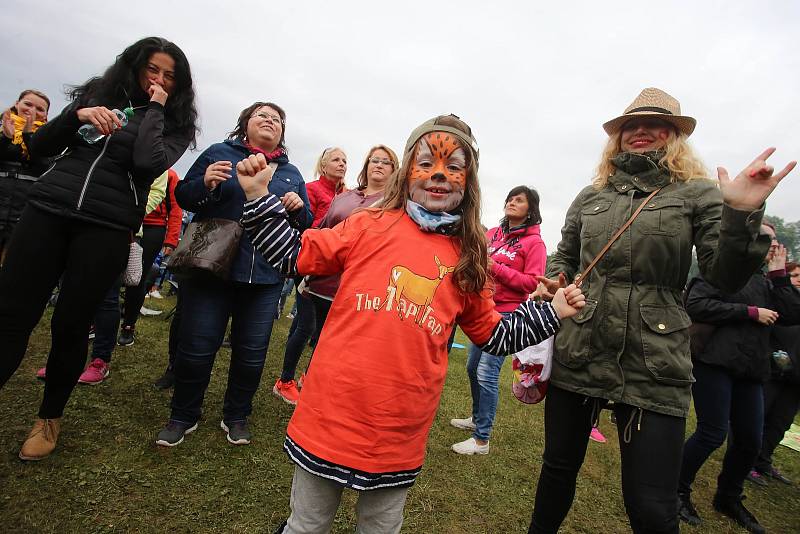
<point x="733" y="508"/>
<point x="166" y="381"/>
<point x="686" y="510"/>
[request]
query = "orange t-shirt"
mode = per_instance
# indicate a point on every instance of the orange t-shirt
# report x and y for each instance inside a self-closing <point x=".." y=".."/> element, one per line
<point x="379" y="367"/>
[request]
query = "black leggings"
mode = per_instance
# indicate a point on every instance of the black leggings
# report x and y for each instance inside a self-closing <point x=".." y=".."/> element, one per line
<point x="43" y="247"/>
<point x="650" y="445"/>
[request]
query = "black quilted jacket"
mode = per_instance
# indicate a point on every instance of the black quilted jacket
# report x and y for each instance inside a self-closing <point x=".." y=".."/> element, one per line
<point x="107" y="182"/>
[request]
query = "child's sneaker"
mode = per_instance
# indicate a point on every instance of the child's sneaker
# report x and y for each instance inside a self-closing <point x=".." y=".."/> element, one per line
<point x="286" y="391"/>
<point x="596" y="435"/>
<point x="94" y="374"/>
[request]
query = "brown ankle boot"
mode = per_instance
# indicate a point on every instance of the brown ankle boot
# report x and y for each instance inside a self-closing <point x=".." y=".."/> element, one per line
<point x="42" y="439"/>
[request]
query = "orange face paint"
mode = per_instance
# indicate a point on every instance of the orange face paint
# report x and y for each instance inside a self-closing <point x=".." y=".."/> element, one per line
<point x="438" y="175"/>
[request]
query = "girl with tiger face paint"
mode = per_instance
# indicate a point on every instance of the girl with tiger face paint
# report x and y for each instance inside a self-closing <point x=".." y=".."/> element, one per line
<point x="438" y="172"/>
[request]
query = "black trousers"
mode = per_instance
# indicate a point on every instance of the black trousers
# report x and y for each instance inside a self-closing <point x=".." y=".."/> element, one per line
<point x="43" y="247"/>
<point x="650" y="445"/>
<point x="781" y="402"/>
<point x="152" y="242"/>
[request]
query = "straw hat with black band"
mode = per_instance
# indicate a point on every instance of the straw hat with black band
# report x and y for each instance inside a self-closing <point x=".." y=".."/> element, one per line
<point x="657" y="104"/>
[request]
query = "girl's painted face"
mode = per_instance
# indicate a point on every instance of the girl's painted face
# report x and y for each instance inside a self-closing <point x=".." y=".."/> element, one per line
<point x="438" y="174"/>
<point x="336" y="167"/>
<point x="32" y="105"/>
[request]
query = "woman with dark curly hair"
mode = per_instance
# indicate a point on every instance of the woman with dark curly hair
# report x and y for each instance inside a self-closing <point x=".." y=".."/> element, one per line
<point x="83" y="212"/>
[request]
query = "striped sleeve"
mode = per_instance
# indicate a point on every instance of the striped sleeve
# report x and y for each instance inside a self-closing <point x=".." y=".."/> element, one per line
<point x="530" y="324"/>
<point x="265" y="221"/>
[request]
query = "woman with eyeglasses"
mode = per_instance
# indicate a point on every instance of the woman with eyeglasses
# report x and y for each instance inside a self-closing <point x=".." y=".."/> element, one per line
<point x="331" y="167"/>
<point x="249" y="296"/>
<point x="379" y="166"/>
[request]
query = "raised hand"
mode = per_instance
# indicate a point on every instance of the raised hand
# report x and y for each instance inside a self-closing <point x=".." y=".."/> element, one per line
<point x="157" y="94"/>
<point x="254" y="175"/>
<point x="8" y="124"/>
<point x="567" y="301"/>
<point x="776" y="260"/>
<point x="216" y="173"/>
<point x="101" y="118"/>
<point x="752" y="186"/>
<point x="549" y="287"/>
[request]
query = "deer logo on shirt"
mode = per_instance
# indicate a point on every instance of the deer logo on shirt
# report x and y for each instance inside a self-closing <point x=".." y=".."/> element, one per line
<point x="410" y="294"/>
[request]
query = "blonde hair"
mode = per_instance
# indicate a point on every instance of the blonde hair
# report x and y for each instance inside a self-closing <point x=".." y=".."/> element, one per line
<point x="470" y="274"/>
<point x="679" y="158"/>
<point x="325" y="158"/>
<point x="363" y="181"/>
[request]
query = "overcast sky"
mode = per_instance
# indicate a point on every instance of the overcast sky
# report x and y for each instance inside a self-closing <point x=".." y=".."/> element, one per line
<point x="535" y="80"/>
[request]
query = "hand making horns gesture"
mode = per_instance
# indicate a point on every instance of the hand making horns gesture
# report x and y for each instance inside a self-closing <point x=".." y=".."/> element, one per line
<point x="752" y="186"/>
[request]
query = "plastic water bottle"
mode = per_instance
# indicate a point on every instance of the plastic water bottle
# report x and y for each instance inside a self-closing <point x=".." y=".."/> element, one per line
<point x="92" y="135"/>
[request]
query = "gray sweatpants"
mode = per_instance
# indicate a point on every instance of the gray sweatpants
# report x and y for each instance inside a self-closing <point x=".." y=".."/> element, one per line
<point x="314" y="502"/>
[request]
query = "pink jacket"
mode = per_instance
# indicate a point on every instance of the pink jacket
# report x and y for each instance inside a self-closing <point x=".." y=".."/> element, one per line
<point x="517" y="259"/>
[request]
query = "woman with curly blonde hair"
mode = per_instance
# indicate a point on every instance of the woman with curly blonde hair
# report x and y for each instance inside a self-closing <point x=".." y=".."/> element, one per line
<point x="630" y="344"/>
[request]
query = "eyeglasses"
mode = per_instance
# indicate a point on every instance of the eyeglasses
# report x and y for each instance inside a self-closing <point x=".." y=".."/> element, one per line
<point x="381" y="161"/>
<point x="274" y="119"/>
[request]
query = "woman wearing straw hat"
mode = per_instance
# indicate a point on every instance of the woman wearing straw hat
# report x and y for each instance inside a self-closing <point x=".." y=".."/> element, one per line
<point x="630" y="344"/>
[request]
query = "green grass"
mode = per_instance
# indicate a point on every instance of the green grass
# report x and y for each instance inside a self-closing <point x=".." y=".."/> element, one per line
<point x="108" y="476"/>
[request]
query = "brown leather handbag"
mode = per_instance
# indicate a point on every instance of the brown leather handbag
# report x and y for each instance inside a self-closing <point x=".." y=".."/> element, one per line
<point x="207" y="248"/>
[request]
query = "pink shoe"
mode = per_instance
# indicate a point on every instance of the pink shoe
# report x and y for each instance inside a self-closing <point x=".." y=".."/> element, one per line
<point x="95" y="373"/>
<point x="41" y="373"/>
<point x="596" y="435"/>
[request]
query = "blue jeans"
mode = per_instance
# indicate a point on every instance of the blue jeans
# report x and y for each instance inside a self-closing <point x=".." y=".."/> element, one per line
<point x="722" y="402"/>
<point x="106" y="324"/>
<point x="484" y="373"/>
<point x="303" y="326"/>
<point x="205" y="309"/>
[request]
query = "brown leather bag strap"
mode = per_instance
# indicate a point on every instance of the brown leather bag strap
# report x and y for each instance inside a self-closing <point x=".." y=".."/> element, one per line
<point x="582" y="276"/>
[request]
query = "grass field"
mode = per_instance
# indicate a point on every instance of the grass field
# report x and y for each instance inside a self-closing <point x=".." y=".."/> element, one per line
<point x="108" y="476"/>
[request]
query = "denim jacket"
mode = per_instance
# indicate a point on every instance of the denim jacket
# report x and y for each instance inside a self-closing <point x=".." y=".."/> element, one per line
<point x="227" y="199"/>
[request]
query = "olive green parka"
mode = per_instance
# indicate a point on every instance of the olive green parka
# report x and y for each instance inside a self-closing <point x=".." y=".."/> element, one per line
<point x="630" y="343"/>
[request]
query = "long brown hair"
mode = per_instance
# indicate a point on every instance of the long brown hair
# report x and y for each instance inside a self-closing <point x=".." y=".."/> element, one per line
<point x="471" y="272"/>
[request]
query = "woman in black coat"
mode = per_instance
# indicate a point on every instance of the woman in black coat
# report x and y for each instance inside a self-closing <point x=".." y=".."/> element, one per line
<point x="83" y="212"/>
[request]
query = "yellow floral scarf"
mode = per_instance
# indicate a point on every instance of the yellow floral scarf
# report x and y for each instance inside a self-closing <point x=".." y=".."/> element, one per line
<point x="19" y="126"/>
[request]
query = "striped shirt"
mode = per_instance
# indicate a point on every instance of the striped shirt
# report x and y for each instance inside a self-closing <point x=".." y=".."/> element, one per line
<point x="349" y="478"/>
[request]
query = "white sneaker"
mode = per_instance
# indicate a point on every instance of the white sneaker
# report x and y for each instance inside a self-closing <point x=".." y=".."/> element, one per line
<point x="156" y="294"/>
<point x="463" y="424"/>
<point x="147" y="312"/>
<point x="470" y="446"/>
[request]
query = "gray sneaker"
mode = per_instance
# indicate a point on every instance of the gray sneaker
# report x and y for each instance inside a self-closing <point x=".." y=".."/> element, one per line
<point x="237" y="432"/>
<point x="173" y="433"/>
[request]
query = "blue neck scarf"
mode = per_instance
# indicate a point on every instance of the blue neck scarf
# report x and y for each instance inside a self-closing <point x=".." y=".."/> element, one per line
<point x="434" y="222"/>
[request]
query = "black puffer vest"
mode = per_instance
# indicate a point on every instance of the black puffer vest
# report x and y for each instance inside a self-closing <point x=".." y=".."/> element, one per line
<point x="107" y="182"/>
